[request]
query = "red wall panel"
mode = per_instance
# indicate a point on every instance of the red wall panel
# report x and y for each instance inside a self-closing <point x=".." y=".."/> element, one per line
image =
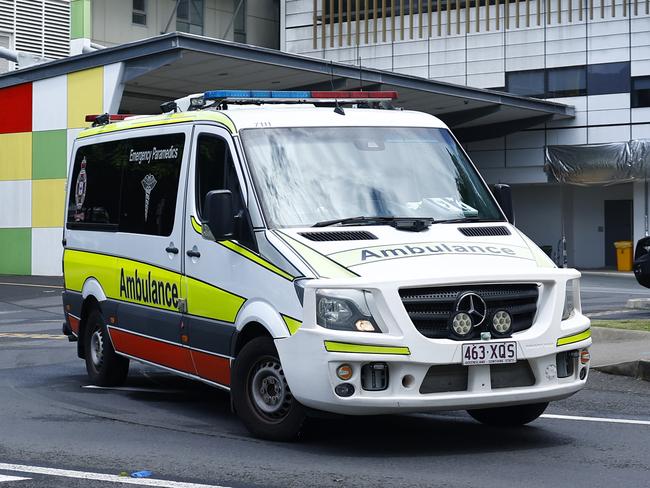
<point x="16" y="108"/>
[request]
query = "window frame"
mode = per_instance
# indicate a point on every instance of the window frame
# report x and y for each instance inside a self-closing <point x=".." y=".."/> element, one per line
<point x="126" y="135"/>
<point x="135" y="12"/>
<point x="189" y="21"/>
<point x="634" y="97"/>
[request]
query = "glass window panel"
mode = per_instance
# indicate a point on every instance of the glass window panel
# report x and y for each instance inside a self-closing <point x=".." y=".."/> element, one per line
<point x="566" y="82"/>
<point x="527" y="83"/>
<point x="152" y="167"/>
<point x="608" y="78"/>
<point x="435" y="179"/>
<point x="641" y="92"/>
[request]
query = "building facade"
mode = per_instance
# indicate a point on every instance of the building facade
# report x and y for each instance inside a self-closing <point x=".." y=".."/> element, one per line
<point x="41" y="119"/>
<point x="592" y="54"/>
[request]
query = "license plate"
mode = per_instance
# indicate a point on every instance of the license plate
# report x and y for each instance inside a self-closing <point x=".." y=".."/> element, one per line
<point x="489" y="353"/>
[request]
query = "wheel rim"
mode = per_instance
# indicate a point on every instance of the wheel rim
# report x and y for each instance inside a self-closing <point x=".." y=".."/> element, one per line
<point x="269" y="391"/>
<point x="97" y="348"/>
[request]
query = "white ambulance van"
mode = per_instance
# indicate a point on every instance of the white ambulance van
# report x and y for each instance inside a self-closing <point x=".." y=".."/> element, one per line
<point x="311" y="251"/>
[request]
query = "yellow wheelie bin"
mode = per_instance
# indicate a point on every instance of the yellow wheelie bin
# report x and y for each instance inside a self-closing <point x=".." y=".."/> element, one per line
<point x="623" y="255"/>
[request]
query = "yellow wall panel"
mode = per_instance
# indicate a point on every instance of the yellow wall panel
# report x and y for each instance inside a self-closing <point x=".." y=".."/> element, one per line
<point x="48" y="198"/>
<point x="85" y="96"/>
<point x="16" y="156"/>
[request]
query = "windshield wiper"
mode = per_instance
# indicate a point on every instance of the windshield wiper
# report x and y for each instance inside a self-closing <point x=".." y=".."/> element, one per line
<point x="401" y="223"/>
<point x="466" y="219"/>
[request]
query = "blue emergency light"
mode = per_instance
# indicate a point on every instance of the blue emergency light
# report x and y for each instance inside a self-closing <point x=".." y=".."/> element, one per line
<point x="300" y="95"/>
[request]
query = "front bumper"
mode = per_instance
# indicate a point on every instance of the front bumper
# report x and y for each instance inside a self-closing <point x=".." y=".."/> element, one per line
<point x="310" y="367"/>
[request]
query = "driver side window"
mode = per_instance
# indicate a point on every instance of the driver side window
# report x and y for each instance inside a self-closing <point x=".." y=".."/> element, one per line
<point x="215" y="170"/>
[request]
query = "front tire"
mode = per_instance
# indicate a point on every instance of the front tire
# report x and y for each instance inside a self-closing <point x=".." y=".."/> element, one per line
<point x="514" y="416"/>
<point x="104" y="366"/>
<point x="261" y="395"/>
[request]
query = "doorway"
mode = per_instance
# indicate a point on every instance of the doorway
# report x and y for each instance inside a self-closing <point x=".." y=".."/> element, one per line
<point x="618" y="227"/>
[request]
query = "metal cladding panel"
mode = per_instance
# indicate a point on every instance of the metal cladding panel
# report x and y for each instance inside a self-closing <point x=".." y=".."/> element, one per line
<point x="16" y="103"/>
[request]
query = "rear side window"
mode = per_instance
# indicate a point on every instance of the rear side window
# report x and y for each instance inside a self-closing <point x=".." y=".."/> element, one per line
<point x="127" y="186"/>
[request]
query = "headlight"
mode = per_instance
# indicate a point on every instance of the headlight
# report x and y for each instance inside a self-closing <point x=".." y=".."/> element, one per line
<point x="344" y="310"/>
<point x="571" y="298"/>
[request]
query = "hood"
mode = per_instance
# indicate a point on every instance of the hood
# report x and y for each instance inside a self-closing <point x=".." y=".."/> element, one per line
<point x="383" y="251"/>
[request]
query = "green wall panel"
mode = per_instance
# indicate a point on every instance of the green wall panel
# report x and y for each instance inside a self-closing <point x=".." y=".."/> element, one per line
<point x="49" y="154"/>
<point x="16" y="255"/>
<point x="80" y="19"/>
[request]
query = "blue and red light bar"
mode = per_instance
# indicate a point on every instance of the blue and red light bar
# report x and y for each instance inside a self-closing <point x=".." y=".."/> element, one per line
<point x="299" y="96"/>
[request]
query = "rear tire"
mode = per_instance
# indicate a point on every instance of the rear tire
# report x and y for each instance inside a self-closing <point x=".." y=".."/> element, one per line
<point x="261" y="395"/>
<point x="514" y="416"/>
<point x="104" y="366"/>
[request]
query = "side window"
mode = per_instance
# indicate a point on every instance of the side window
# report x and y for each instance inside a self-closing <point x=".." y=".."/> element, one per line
<point x="215" y="170"/>
<point x="150" y="184"/>
<point x="128" y="186"/>
<point x="94" y="202"/>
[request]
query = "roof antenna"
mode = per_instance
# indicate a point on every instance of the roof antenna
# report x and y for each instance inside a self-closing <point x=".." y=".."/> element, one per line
<point x="337" y="108"/>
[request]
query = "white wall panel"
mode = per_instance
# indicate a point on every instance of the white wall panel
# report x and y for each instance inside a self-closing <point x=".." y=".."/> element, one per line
<point x="50" y="103"/>
<point x="47" y="251"/>
<point x="614" y="133"/>
<point x="16" y="203"/>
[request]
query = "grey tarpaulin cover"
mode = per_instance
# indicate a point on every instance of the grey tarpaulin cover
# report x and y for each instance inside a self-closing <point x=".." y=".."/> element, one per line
<point x="599" y="164"/>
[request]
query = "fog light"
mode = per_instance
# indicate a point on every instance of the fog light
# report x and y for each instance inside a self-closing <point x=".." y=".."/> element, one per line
<point x="585" y="356"/>
<point x="583" y="373"/>
<point x="344" y="390"/>
<point x="462" y="324"/>
<point x="344" y="372"/>
<point x="364" y="326"/>
<point x="502" y="322"/>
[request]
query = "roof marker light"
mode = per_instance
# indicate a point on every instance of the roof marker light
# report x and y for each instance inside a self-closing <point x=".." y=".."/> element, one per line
<point x="298" y="95"/>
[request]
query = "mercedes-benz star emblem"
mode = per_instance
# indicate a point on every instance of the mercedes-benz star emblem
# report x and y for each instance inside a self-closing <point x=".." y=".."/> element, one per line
<point x="473" y="306"/>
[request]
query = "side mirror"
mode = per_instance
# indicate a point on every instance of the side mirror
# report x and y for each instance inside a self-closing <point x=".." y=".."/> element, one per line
<point x="642" y="262"/>
<point x="218" y="215"/>
<point x="503" y="195"/>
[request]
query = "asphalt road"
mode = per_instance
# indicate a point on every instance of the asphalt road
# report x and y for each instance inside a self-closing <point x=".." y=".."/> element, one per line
<point x="184" y="431"/>
<point x="604" y="297"/>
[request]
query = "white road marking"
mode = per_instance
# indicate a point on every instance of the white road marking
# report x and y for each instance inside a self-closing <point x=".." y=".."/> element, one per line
<point x="611" y="312"/>
<point x="596" y="419"/>
<point x="617" y="291"/>
<point x="33" y="286"/>
<point x="111" y="478"/>
<point x="4" y="478"/>
<point x="131" y="388"/>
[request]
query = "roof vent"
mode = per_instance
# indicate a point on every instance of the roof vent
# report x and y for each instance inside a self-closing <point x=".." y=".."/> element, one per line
<point x="339" y="236"/>
<point x="484" y="231"/>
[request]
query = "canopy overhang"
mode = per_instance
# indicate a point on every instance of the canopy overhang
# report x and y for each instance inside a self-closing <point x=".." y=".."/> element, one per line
<point x="174" y="65"/>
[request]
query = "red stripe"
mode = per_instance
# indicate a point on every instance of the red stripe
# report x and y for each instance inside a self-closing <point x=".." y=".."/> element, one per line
<point x="213" y="368"/>
<point x="169" y="355"/>
<point x="74" y="324"/>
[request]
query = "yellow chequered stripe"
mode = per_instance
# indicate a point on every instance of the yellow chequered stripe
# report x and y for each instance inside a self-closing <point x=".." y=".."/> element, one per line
<point x="332" y="346"/>
<point x="256" y="258"/>
<point x="144" y="284"/>
<point x="292" y="324"/>
<point x="165" y="119"/>
<point x="574" y="338"/>
<point x="20" y="335"/>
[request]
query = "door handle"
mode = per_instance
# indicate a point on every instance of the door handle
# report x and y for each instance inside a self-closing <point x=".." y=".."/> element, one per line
<point x="193" y="253"/>
<point x="171" y="249"/>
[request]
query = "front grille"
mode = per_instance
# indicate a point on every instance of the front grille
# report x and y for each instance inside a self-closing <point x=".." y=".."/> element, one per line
<point x="432" y="308"/>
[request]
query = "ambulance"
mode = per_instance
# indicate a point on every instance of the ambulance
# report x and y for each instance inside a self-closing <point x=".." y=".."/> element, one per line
<point x="312" y="252"/>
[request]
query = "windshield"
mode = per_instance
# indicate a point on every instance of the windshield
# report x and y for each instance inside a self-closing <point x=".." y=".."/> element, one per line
<point x="312" y="174"/>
